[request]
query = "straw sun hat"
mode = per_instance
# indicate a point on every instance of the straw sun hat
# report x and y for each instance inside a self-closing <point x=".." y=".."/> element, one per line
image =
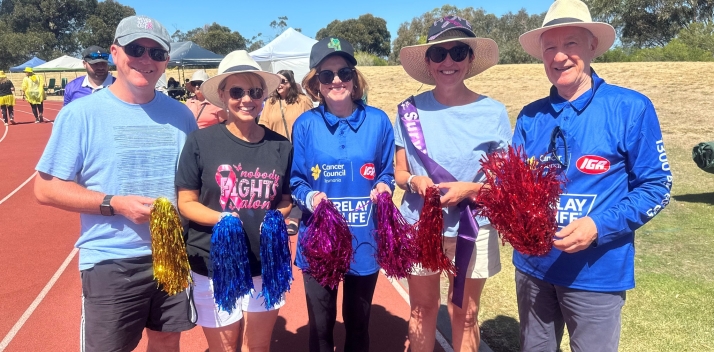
<point x="449" y="29"/>
<point x="237" y="62"/>
<point x="568" y="13"/>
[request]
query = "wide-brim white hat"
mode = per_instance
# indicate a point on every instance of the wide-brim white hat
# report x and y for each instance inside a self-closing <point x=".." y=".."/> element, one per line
<point x="449" y="29"/>
<point x="237" y="62"/>
<point x="568" y="13"/>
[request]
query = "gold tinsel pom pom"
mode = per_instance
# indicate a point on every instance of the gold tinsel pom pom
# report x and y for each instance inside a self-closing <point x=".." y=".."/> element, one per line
<point x="171" y="268"/>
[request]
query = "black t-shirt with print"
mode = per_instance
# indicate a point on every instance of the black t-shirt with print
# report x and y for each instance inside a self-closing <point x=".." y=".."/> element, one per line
<point x="233" y="175"/>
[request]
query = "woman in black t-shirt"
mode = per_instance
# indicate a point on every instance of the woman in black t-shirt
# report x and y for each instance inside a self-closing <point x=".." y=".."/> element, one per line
<point x="241" y="168"/>
<point x="7" y="99"/>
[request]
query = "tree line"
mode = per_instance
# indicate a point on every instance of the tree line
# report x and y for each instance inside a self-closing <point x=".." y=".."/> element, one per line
<point x="648" y="30"/>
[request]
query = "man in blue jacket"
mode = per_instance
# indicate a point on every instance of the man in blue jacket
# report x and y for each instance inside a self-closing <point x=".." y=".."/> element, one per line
<point x="607" y="143"/>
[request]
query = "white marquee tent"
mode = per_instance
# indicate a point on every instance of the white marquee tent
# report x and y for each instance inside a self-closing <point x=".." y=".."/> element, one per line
<point x="289" y="51"/>
<point x="60" y="64"/>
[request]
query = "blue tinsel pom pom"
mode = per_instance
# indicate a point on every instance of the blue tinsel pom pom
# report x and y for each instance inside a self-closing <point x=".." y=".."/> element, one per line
<point x="275" y="258"/>
<point x="231" y="269"/>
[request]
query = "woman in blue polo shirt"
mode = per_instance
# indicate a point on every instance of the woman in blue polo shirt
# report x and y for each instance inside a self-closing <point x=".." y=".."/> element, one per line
<point x="343" y="151"/>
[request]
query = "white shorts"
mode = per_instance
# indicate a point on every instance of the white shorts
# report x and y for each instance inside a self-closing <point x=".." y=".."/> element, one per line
<point x="209" y="315"/>
<point x="485" y="260"/>
<point x="254" y="302"/>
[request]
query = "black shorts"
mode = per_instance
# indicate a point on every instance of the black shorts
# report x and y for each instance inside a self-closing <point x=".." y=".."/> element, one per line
<point x="120" y="298"/>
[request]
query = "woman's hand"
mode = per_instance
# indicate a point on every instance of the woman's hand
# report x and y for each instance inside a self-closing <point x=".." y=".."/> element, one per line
<point x="420" y="183"/>
<point x="458" y="191"/>
<point x="381" y="187"/>
<point x="317" y="198"/>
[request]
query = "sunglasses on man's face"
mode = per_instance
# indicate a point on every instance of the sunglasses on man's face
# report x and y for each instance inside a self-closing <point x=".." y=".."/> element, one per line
<point x="156" y="54"/>
<point x="238" y="93"/>
<point x="95" y="56"/>
<point x="345" y="74"/>
<point x="458" y="53"/>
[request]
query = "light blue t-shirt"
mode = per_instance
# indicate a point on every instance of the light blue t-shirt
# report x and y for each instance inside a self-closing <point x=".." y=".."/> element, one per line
<point x="109" y="146"/>
<point x="457" y="137"/>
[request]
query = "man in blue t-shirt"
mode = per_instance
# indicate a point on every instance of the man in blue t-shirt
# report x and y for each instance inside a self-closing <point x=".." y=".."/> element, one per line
<point x="109" y="165"/>
<point x="607" y="143"/>
<point x="96" y="62"/>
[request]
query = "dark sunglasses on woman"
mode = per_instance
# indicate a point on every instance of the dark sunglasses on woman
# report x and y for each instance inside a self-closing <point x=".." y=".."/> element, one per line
<point x="326" y="76"/>
<point x="136" y="50"/>
<point x="458" y="53"/>
<point x="238" y="93"/>
<point x="283" y="81"/>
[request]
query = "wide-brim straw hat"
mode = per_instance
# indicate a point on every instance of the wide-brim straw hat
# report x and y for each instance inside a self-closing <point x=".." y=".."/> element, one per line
<point x="237" y="62"/>
<point x="449" y="29"/>
<point x="568" y="13"/>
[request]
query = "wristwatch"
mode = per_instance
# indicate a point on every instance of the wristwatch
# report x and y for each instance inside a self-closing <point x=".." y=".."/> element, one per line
<point x="106" y="208"/>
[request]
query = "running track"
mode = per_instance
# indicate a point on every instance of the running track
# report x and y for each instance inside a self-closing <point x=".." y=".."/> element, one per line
<point x="40" y="289"/>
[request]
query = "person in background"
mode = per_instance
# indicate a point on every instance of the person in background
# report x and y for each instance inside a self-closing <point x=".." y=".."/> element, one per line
<point x="215" y="166"/>
<point x="34" y="88"/>
<point x="459" y="127"/>
<point x="96" y="62"/>
<point x="607" y="143"/>
<point x="206" y="114"/>
<point x="110" y="155"/>
<point x="7" y="99"/>
<point x="281" y="110"/>
<point x="344" y="150"/>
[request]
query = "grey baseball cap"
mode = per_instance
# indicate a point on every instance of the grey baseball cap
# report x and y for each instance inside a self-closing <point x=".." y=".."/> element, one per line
<point x="137" y="27"/>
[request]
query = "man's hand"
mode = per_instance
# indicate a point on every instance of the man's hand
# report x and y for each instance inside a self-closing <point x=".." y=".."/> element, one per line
<point x="135" y="208"/>
<point x="575" y="237"/>
<point x="381" y="187"/>
<point x="458" y="191"/>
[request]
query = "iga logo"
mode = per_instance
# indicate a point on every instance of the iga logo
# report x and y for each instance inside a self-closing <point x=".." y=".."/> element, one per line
<point x="593" y="164"/>
<point x="367" y="171"/>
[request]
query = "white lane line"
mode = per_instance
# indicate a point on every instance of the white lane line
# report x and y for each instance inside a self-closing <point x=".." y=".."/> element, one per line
<point x="18" y="188"/>
<point x="16" y="328"/>
<point x="439" y="337"/>
<point x="5" y="134"/>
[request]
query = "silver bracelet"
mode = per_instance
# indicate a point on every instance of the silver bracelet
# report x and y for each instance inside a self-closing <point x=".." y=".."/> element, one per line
<point x="409" y="183"/>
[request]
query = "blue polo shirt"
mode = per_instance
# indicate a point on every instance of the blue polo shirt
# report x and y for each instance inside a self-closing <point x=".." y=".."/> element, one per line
<point x="611" y="151"/>
<point x="80" y="87"/>
<point x="345" y="158"/>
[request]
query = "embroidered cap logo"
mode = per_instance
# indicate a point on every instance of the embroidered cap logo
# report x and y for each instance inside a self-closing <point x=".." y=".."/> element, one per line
<point x="334" y="44"/>
<point x="144" y="23"/>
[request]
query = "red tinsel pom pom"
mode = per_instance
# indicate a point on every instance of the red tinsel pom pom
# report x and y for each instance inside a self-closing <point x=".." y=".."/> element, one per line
<point x="429" y="244"/>
<point x="520" y="198"/>
<point x="327" y="245"/>
<point x="395" y="252"/>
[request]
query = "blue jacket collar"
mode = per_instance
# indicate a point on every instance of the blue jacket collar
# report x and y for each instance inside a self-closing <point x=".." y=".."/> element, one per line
<point x="579" y="104"/>
<point x="355" y="120"/>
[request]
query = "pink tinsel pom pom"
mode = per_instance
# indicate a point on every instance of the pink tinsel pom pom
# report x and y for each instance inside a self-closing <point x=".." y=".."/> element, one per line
<point x="395" y="252"/>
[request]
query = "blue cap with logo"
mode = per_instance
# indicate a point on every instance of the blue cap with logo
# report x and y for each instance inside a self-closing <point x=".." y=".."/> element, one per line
<point x="331" y="46"/>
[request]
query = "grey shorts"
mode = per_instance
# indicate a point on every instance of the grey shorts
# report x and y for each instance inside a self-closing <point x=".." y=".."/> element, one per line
<point x="592" y="318"/>
<point x="120" y="298"/>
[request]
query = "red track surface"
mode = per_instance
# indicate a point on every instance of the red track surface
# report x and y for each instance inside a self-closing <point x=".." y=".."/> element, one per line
<point x="38" y="239"/>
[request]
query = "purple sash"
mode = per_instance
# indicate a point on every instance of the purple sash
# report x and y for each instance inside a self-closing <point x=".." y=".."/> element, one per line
<point x="468" y="228"/>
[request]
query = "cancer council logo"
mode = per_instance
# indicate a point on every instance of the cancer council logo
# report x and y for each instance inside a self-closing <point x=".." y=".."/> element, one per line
<point x="316" y="171"/>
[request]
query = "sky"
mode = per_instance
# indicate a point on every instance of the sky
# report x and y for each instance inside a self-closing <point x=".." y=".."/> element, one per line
<point x="252" y="17"/>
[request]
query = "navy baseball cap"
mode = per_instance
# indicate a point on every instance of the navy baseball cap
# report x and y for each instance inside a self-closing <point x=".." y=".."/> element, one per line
<point x="331" y="46"/>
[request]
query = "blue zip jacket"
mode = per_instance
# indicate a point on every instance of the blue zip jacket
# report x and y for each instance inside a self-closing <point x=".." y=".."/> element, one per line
<point x="344" y="158"/>
<point x="610" y="148"/>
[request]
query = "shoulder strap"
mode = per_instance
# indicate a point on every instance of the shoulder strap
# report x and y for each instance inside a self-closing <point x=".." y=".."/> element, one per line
<point x="203" y="106"/>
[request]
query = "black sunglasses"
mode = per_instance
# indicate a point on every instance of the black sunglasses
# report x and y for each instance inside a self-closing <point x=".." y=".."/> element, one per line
<point x="94" y="56"/>
<point x="238" y="93"/>
<point x="156" y="54"/>
<point x="554" y="137"/>
<point x="458" y="53"/>
<point x="284" y="81"/>
<point x="326" y="76"/>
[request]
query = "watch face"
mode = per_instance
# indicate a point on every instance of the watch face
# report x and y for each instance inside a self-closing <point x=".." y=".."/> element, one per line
<point x="106" y="210"/>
